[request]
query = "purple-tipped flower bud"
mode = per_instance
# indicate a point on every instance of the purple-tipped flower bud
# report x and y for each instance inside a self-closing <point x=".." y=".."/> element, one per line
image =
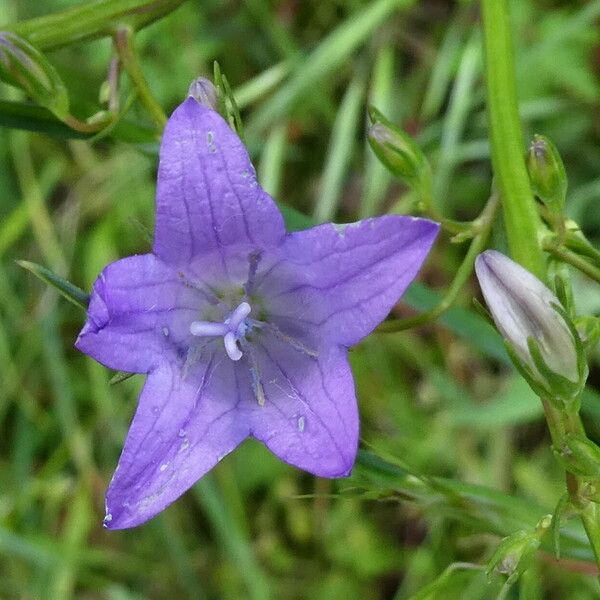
<point x="22" y="65"/>
<point x="538" y="332"/>
<point x="547" y="173"/>
<point x="204" y="92"/>
<point x="396" y="149"/>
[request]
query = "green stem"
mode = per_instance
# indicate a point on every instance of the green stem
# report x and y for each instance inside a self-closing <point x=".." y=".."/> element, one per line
<point x="483" y="224"/>
<point x="561" y="423"/>
<point x="427" y="207"/>
<point x="520" y="215"/>
<point x="574" y="260"/>
<point x="123" y="41"/>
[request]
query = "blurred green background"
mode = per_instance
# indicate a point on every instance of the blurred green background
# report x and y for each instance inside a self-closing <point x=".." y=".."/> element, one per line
<point x="436" y="401"/>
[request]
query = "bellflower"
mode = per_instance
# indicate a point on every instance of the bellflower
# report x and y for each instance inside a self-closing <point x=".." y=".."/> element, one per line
<point x="242" y="329"/>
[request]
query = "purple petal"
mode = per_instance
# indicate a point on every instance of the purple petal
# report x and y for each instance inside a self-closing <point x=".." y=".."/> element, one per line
<point x="183" y="426"/>
<point x="309" y="418"/>
<point x="207" y="195"/>
<point x="342" y="281"/>
<point x="139" y="314"/>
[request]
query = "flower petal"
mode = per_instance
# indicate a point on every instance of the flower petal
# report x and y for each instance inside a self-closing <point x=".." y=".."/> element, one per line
<point x="309" y="417"/>
<point x="207" y="195"/>
<point x="139" y="313"/>
<point x="342" y="281"/>
<point x="183" y="426"/>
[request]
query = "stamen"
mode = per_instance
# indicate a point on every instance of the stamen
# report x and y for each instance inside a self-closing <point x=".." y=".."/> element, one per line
<point x="231" y="346"/>
<point x="295" y="343"/>
<point x="253" y="260"/>
<point x="257" y="386"/>
<point x="206" y="328"/>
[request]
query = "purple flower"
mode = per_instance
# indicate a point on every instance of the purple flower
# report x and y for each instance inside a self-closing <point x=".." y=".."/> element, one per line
<point x="242" y="328"/>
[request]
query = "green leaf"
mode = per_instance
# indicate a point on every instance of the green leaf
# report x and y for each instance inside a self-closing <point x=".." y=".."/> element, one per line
<point x="71" y="292"/>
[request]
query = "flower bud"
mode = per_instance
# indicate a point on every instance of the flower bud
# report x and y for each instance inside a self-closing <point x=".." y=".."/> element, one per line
<point x="396" y="149"/>
<point x="24" y="66"/>
<point x="514" y="553"/>
<point x="547" y="173"/>
<point x="204" y="92"/>
<point x="540" y="336"/>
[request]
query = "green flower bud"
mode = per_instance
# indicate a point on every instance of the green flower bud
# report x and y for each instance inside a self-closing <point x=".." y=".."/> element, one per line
<point x="514" y="553"/>
<point x="397" y="150"/>
<point x="22" y="65"/>
<point x="540" y="336"/>
<point x="547" y="173"/>
<point x="205" y="93"/>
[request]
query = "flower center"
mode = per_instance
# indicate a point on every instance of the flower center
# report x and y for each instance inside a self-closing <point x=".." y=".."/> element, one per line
<point x="232" y="329"/>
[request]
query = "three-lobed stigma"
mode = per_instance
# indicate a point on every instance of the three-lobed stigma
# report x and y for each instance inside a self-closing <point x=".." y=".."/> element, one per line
<point x="232" y="329"/>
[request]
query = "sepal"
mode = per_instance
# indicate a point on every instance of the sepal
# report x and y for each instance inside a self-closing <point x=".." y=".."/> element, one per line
<point x="558" y="515"/>
<point x="579" y="455"/>
<point x="226" y="105"/>
<point x="70" y="291"/>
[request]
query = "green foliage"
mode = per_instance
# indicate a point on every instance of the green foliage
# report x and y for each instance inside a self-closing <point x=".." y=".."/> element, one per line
<point x="455" y="451"/>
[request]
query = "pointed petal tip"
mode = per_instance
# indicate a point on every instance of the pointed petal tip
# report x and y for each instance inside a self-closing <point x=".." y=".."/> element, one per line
<point x="121" y="516"/>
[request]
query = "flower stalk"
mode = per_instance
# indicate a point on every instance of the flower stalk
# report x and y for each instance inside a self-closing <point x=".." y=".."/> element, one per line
<point x="482" y="225"/>
<point x="520" y="215"/>
<point x="123" y="42"/>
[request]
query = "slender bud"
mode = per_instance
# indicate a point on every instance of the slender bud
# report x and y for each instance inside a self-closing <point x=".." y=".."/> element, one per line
<point x="396" y="149"/>
<point x="547" y="173"/>
<point x="514" y="553"/>
<point x="204" y="92"/>
<point x="22" y="65"/>
<point x="540" y="336"/>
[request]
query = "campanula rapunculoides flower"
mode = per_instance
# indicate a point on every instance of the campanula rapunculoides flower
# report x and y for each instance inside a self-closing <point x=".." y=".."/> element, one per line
<point x="242" y="329"/>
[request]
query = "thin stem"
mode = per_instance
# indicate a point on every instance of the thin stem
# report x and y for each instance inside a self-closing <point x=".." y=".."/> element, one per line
<point x="520" y="215"/>
<point x="574" y="260"/>
<point x="84" y="127"/>
<point x="114" y="70"/>
<point x="483" y="224"/>
<point x="123" y="40"/>
<point x="560" y="423"/>
<point x="427" y="207"/>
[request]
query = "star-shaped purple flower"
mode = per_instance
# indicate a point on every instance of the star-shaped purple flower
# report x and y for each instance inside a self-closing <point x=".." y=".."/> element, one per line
<point x="242" y="328"/>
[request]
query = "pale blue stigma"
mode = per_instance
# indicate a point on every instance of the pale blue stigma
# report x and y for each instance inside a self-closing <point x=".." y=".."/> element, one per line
<point x="232" y="329"/>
